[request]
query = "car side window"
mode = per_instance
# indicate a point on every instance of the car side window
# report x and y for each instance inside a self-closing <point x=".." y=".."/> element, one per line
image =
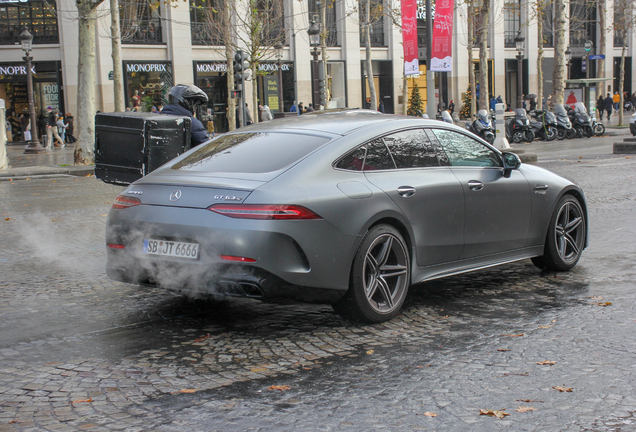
<point x="462" y="150"/>
<point x="378" y="157"/>
<point x="411" y="149"/>
<point x="353" y="161"/>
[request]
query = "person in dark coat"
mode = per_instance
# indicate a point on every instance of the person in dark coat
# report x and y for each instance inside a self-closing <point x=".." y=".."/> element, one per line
<point x="600" y="107"/>
<point x="71" y="127"/>
<point x="183" y="101"/>
<point x="609" y="105"/>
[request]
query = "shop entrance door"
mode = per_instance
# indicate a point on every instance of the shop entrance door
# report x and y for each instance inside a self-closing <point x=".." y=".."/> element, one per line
<point x="216" y="89"/>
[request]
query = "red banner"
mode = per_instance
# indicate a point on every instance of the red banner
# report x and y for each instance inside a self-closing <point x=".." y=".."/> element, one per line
<point x="409" y="37"/>
<point x="441" y="49"/>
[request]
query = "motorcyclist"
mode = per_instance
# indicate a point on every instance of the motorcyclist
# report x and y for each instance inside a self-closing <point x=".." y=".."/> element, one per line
<point x="183" y="100"/>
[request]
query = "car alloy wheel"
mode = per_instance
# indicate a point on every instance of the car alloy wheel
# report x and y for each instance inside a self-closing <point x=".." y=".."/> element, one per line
<point x="566" y="236"/>
<point x="380" y="277"/>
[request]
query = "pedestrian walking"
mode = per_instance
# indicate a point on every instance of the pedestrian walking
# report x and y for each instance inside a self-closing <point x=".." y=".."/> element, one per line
<point x="61" y="129"/>
<point x="70" y="129"/>
<point x="617" y="100"/>
<point x="301" y="108"/>
<point x="609" y="105"/>
<point x="451" y="107"/>
<point x="266" y="114"/>
<point x="600" y="107"/>
<point x="51" y="129"/>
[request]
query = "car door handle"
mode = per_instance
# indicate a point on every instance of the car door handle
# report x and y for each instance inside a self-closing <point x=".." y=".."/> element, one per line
<point x="475" y="185"/>
<point x="406" y="191"/>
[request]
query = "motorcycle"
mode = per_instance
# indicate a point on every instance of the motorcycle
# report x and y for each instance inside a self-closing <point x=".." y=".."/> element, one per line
<point x="564" y="125"/>
<point x="518" y="128"/>
<point x="597" y="127"/>
<point x="581" y="121"/>
<point x="482" y="127"/>
<point x="543" y="124"/>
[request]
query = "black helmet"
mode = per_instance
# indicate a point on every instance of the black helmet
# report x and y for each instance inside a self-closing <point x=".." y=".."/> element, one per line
<point x="187" y="96"/>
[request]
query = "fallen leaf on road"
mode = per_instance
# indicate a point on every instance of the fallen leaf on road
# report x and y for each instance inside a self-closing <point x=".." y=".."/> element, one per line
<point x="201" y="339"/>
<point x="547" y="362"/>
<point x="502" y="349"/>
<point x="7" y="219"/>
<point x="370" y="352"/>
<point x="499" y="414"/>
<point x="186" y="391"/>
<point x="563" y="389"/>
<point x="428" y="365"/>
<point x="546" y="326"/>
<point x="259" y="369"/>
<point x="279" y="387"/>
<point x="514" y="335"/>
<point x="523" y="409"/>
<point x="82" y="400"/>
<point x="427" y="414"/>
<point x="604" y="304"/>
<point x="528" y="400"/>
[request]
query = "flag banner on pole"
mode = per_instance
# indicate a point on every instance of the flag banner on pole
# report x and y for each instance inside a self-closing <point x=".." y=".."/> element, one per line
<point x="409" y="37"/>
<point x="441" y="50"/>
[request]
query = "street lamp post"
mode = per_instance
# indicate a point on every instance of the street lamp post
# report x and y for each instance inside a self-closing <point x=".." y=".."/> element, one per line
<point x="279" y="50"/>
<point x="33" y="146"/>
<point x="314" y="41"/>
<point x="519" y="40"/>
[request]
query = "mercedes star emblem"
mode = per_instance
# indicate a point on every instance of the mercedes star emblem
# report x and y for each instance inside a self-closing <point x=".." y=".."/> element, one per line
<point x="174" y="196"/>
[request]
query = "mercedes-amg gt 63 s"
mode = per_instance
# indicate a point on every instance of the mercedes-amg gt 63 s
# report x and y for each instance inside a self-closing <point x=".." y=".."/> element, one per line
<point x="347" y="208"/>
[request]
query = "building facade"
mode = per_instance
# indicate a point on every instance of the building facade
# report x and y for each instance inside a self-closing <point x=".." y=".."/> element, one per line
<point x="167" y="43"/>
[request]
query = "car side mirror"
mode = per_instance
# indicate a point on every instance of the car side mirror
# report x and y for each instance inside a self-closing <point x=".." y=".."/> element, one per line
<point x="511" y="162"/>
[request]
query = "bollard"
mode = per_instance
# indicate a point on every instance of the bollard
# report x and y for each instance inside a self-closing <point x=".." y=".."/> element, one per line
<point x="4" y="160"/>
<point x="500" y="134"/>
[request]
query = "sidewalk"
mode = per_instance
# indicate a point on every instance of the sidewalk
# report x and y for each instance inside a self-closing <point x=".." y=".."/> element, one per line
<point x="52" y="163"/>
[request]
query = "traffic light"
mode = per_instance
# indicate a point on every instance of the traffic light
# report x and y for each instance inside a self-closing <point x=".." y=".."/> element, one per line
<point x="322" y="89"/>
<point x="240" y="65"/>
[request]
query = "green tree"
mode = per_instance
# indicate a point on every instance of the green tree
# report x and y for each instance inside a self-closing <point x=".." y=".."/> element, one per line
<point x="464" y="113"/>
<point x="415" y="102"/>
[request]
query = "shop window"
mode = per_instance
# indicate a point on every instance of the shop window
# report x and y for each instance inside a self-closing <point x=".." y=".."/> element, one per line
<point x="271" y="16"/>
<point x="39" y="17"/>
<point x="206" y="22"/>
<point x="140" y="21"/>
<point x="336" y="85"/>
<point x="376" y="23"/>
<point x="582" y="22"/>
<point x="315" y="7"/>
<point x="147" y="84"/>
<point x="548" y="25"/>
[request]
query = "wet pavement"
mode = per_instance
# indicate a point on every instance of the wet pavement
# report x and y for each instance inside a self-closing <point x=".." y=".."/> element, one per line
<point x="80" y="352"/>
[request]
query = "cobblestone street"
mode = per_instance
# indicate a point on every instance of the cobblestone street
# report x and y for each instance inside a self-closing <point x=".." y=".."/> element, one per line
<point x="81" y="352"/>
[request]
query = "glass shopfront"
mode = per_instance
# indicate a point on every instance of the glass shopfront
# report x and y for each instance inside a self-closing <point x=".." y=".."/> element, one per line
<point x="47" y="91"/>
<point x="270" y="74"/>
<point x="336" y="85"/>
<point x="147" y="84"/>
<point x="211" y="77"/>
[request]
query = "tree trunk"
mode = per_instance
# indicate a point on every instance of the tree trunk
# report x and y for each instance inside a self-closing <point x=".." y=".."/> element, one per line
<point x="600" y="70"/>
<point x="541" y="12"/>
<point x="231" y="102"/>
<point x="483" y="55"/>
<point x="368" y="64"/>
<point x="471" y="66"/>
<point x="118" y="83"/>
<point x="255" y="116"/>
<point x="323" y="43"/>
<point x="621" y="80"/>
<point x="85" y="147"/>
<point x="558" y="75"/>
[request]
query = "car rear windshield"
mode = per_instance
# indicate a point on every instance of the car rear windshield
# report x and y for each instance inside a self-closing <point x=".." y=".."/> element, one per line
<point x="250" y="152"/>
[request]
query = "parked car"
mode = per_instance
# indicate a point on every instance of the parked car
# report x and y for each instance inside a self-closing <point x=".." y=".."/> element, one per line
<point x="347" y="208"/>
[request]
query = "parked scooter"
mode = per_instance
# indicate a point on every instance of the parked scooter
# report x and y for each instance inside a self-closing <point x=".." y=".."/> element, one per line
<point x="564" y="125"/>
<point x="518" y="128"/>
<point x="581" y="121"/>
<point x="597" y="127"/>
<point x="482" y="127"/>
<point x="446" y="117"/>
<point x="543" y="124"/>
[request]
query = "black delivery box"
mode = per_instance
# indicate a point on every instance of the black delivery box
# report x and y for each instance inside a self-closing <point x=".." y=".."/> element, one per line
<point x="130" y="145"/>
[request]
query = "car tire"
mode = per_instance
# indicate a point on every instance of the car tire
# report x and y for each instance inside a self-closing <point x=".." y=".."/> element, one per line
<point x="561" y="133"/>
<point x="566" y="236"/>
<point x="380" y="277"/>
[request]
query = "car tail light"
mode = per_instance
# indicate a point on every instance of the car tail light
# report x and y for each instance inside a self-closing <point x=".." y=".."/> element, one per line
<point x="264" y="212"/>
<point x="236" y="258"/>
<point x="123" y="202"/>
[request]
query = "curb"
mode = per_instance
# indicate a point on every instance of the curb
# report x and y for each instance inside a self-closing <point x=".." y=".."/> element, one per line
<point x="45" y="172"/>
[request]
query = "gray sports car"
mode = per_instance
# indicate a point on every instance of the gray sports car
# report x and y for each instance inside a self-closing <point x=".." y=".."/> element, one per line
<point x="347" y="208"/>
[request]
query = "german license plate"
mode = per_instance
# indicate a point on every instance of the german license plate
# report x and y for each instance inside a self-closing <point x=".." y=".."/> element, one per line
<point x="171" y="248"/>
